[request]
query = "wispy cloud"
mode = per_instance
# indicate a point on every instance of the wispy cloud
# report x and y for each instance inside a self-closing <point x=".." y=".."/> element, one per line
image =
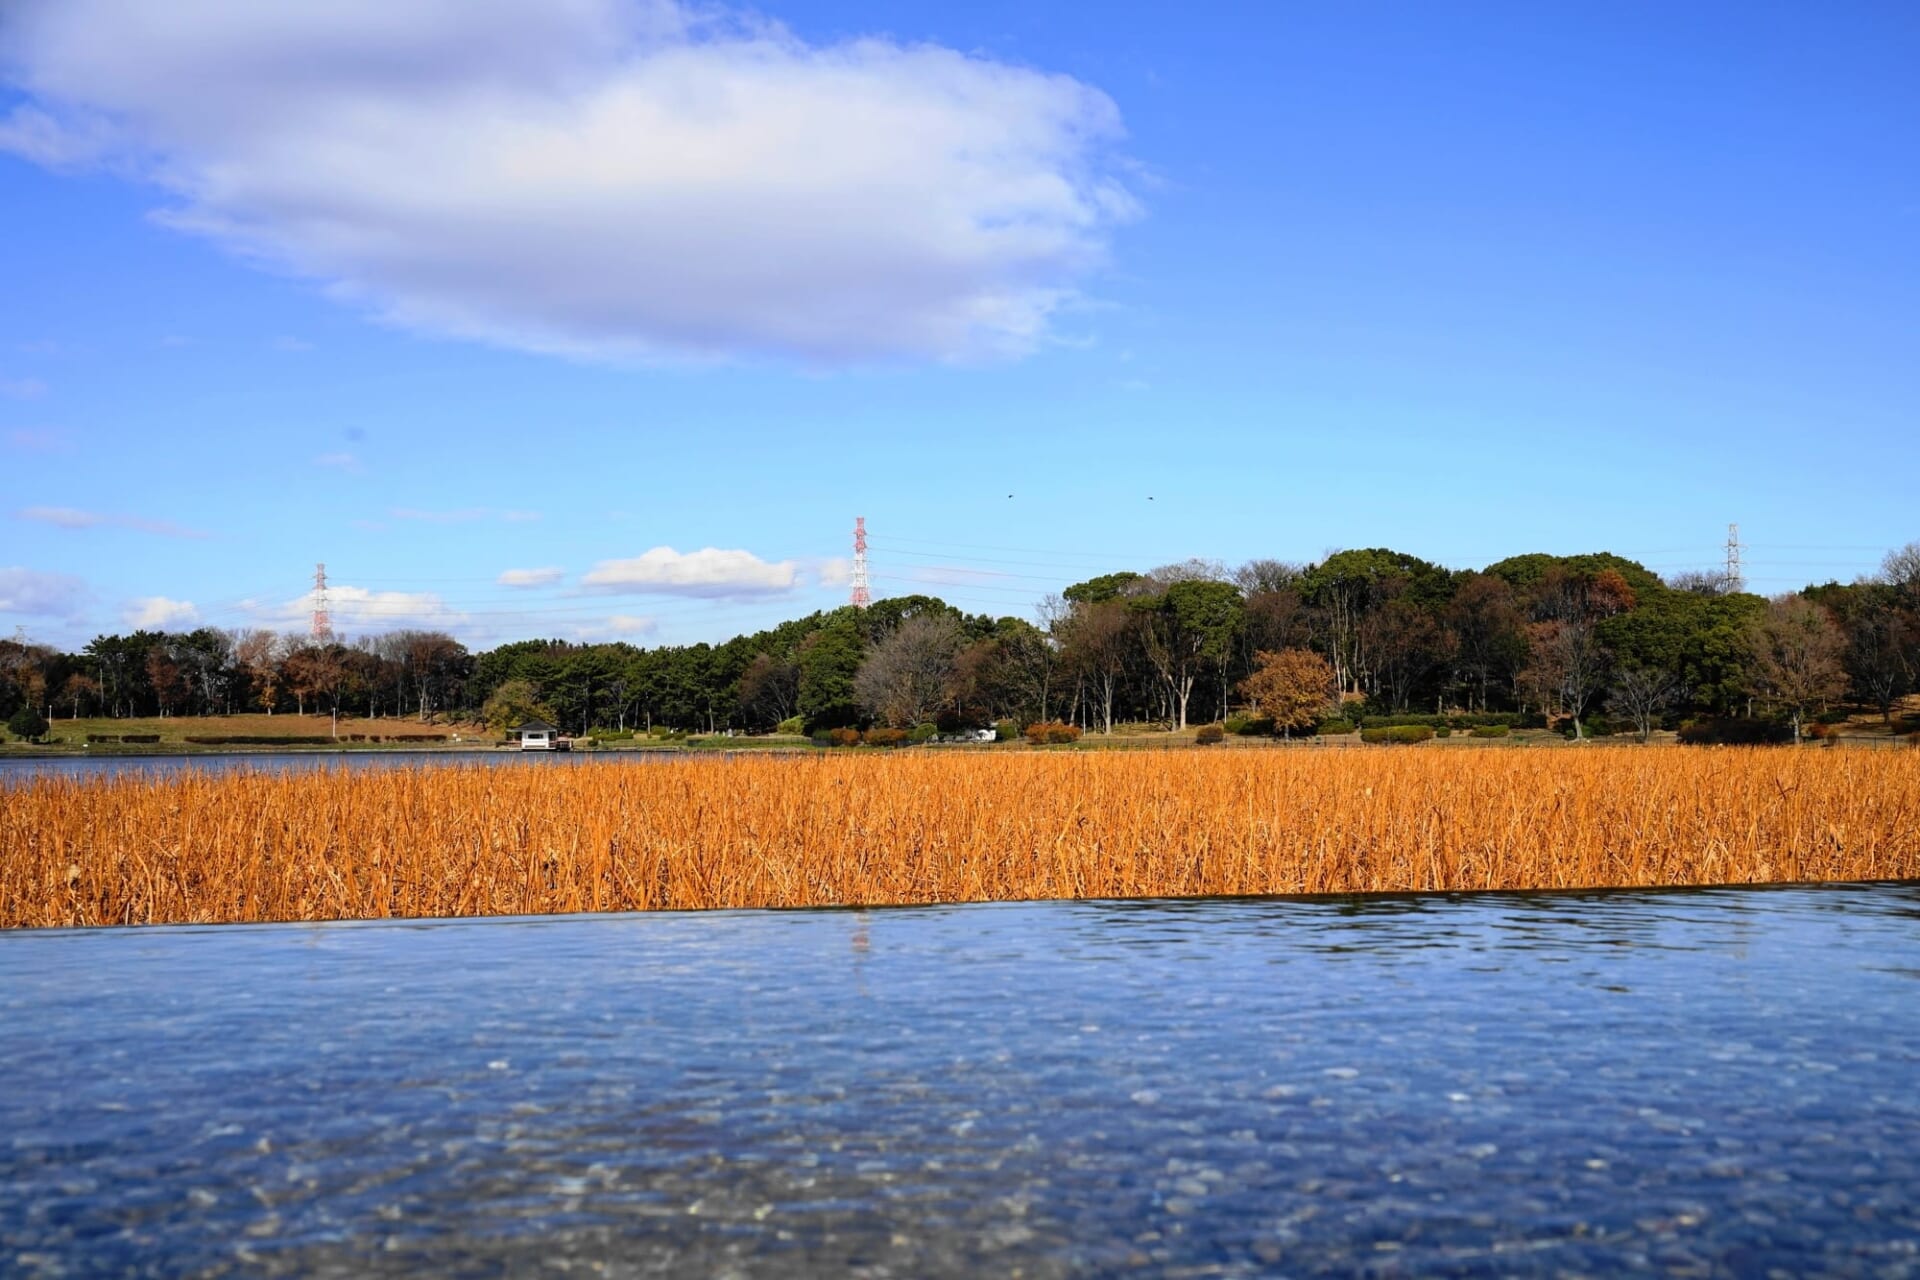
<point x="610" y="179"/>
<point x="531" y="577"/>
<point x="74" y="518"/>
<point x="41" y="595"/>
<point x="338" y="461"/>
<point x="38" y="440"/>
<point x="291" y="345"/>
<point x="157" y="613"/>
<point x="22" y="388"/>
<point x="709" y="572"/>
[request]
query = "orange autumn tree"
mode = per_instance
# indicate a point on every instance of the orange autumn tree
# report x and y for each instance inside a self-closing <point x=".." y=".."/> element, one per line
<point x="1293" y="686"/>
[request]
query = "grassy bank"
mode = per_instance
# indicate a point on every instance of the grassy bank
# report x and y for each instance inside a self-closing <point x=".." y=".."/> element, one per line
<point x="931" y="827"/>
<point x="172" y="734"/>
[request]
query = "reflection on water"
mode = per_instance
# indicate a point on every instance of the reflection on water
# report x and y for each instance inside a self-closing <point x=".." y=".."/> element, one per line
<point x="1713" y="1082"/>
<point x="22" y="769"/>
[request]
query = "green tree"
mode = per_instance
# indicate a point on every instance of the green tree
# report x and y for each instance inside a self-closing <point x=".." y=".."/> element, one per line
<point x="514" y="702"/>
<point x="27" y="723"/>
<point x="828" y="660"/>
<point x="1189" y="630"/>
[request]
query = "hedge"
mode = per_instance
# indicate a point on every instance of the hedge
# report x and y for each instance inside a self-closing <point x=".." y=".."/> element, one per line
<point x="1734" y="732"/>
<point x="1334" y="726"/>
<point x="1397" y="733"/>
<point x="1052" y="731"/>
<point x="1459" y="720"/>
<point x="1490" y="731"/>
<point x="1209" y="734"/>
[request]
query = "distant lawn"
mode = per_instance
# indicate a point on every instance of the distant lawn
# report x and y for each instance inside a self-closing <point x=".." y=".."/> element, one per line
<point x="173" y="731"/>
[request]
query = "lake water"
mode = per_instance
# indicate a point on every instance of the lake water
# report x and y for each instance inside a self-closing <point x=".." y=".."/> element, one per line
<point x="1698" y="1083"/>
<point x="21" y="769"/>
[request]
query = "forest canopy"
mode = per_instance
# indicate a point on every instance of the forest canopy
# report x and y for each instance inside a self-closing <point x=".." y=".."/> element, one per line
<point x="1571" y="638"/>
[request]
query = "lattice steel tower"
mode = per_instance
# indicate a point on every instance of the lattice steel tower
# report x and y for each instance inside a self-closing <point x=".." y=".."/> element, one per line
<point x="1735" y="580"/>
<point x="862" y="597"/>
<point x="322" y="619"/>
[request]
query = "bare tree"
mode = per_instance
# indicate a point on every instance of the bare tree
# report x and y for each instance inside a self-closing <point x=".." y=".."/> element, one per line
<point x="1566" y="667"/>
<point x="1643" y="693"/>
<point x="1099" y="640"/>
<point x="1489" y="632"/>
<point x="259" y="655"/>
<point x="1700" y="582"/>
<point x="909" y="675"/>
<point x="1257" y="576"/>
<point x="1901" y="571"/>
<point x="769" y="689"/>
<point x="1796" y="657"/>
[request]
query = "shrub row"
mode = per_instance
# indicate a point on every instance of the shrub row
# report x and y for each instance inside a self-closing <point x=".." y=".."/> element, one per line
<point x="1052" y="731"/>
<point x="1397" y="733"/>
<point x="1209" y="734"/>
<point x="1490" y="730"/>
<point x="1460" y="720"/>
<point x="142" y="738"/>
<point x="871" y="738"/>
<point x="1334" y="726"/>
<point x="302" y="740"/>
<point x="1734" y="732"/>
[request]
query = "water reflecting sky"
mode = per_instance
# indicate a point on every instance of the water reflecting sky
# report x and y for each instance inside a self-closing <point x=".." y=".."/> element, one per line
<point x="23" y="769"/>
<point x="1717" y="1082"/>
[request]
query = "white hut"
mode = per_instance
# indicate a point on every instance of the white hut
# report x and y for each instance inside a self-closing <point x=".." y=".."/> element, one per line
<point x="536" y="735"/>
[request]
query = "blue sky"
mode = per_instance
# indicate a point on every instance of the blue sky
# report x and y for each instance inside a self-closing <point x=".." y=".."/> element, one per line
<point x="552" y="286"/>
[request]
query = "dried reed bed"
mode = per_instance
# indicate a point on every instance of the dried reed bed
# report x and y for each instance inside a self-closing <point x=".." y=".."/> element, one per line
<point x="943" y="827"/>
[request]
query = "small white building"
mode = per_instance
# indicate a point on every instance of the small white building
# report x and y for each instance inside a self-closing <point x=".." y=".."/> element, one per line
<point x="535" y="735"/>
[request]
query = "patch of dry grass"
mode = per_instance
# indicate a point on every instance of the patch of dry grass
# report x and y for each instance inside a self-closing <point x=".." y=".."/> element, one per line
<point x="942" y="827"/>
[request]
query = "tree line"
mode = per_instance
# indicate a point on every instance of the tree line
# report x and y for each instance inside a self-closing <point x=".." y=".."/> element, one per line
<point x="1584" y="640"/>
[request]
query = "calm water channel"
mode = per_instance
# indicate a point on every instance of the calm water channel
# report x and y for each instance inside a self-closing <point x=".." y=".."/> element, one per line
<point x="22" y="769"/>
<point x="1708" y="1083"/>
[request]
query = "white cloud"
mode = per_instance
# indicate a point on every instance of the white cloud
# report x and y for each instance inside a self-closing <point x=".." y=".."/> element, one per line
<point x="709" y="572"/>
<point x="338" y="461"/>
<point x="22" y="388"/>
<point x="621" y="626"/>
<point x="531" y="577"/>
<point x="157" y="613"/>
<point x="74" y="518"/>
<point x="45" y="595"/>
<point x="834" y="572"/>
<point x="610" y="179"/>
<point x="358" y="609"/>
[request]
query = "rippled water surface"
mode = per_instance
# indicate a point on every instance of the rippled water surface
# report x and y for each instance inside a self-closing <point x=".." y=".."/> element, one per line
<point x="23" y="769"/>
<point x="1708" y="1083"/>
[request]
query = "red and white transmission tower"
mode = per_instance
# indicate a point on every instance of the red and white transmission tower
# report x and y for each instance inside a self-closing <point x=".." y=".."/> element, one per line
<point x="322" y="620"/>
<point x="862" y="597"/>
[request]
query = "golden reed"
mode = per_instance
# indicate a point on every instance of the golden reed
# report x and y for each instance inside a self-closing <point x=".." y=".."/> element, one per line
<point x="943" y="827"/>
